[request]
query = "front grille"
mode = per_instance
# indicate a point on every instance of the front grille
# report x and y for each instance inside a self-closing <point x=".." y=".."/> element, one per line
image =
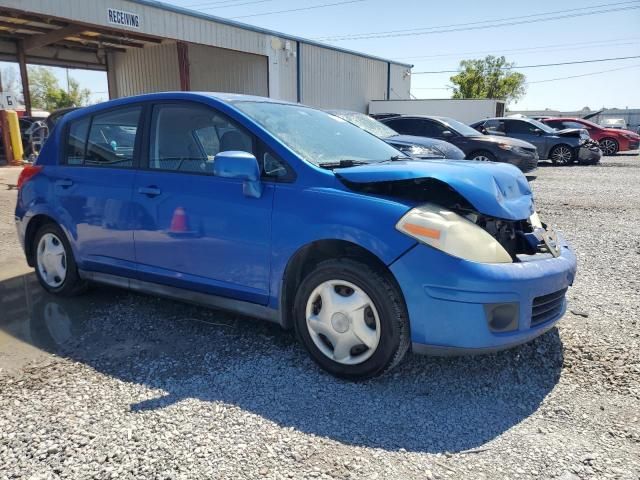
<point x="547" y="307"/>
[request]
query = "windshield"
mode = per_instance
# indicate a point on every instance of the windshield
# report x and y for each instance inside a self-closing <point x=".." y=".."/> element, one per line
<point x="367" y="123"/>
<point x="542" y="126"/>
<point x="461" y="128"/>
<point x="316" y="136"/>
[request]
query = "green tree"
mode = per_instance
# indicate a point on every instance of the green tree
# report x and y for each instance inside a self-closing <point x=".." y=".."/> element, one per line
<point x="47" y="94"/>
<point x="490" y="77"/>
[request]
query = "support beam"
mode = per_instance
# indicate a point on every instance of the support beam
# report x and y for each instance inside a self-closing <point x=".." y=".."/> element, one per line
<point x="24" y="76"/>
<point x="38" y="41"/>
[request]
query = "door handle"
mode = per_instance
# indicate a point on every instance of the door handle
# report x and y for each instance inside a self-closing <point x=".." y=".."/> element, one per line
<point x="64" y="183"/>
<point x="151" y="191"/>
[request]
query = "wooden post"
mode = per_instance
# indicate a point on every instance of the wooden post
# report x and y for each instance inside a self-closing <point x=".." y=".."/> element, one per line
<point x="24" y="76"/>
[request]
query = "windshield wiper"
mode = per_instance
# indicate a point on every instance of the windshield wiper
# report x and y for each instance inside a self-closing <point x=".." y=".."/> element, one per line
<point x="342" y="164"/>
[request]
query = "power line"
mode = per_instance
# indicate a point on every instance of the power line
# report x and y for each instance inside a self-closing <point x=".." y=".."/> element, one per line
<point x="480" y="25"/>
<point x="218" y="5"/>
<point x="540" y="65"/>
<point x="324" y="5"/>
<point x="628" y="67"/>
<point x="566" y="46"/>
<point x="584" y="74"/>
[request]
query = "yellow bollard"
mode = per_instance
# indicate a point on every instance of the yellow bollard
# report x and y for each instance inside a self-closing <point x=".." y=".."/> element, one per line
<point x="14" y="134"/>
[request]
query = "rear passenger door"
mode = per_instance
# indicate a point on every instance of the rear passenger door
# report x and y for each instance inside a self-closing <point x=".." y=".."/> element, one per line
<point x="93" y="186"/>
<point x="197" y="230"/>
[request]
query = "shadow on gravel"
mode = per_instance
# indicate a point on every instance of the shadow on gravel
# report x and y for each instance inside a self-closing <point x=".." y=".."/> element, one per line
<point x="426" y="404"/>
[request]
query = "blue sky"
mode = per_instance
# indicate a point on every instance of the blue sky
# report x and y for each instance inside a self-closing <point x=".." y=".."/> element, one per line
<point x="613" y="34"/>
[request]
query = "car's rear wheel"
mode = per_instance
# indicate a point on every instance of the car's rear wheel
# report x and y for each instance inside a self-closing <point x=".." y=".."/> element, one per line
<point x="562" y="155"/>
<point x="482" y="156"/>
<point x="55" y="266"/>
<point x="609" y="146"/>
<point x="351" y="318"/>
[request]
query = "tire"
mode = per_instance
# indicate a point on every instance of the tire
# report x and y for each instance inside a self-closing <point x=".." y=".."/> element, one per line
<point x="609" y="146"/>
<point x="482" y="156"/>
<point x="380" y="319"/>
<point x="55" y="265"/>
<point x="562" y="155"/>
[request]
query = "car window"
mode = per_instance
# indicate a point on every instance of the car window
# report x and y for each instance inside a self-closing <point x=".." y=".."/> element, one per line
<point x="494" y="125"/>
<point x="567" y="124"/>
<point x="187" y="137"/>
<point x="316" y="136"/>
<point x="405" y="126"/>
<point x="520" y="127"/>
<point x="555" y="124"/>
<point x="112" y="138"/>
<point x="76" y="143"/>
<point x="368" y="124"/>
<point x="430" y="128"/>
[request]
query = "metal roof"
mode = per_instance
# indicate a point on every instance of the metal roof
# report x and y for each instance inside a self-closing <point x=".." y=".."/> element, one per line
<point x="233" y="23"/>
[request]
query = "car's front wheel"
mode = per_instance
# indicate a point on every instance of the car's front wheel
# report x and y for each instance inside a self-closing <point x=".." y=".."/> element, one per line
<point x="562" y="155"/>
<point x="55" y="265"/>
<point x="351" y="318"/>
<point x="482" y="156"/>
<point x="609" y="146"/>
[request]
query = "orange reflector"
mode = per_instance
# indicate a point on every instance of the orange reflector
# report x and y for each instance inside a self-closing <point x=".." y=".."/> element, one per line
<point x="422" y="231"/>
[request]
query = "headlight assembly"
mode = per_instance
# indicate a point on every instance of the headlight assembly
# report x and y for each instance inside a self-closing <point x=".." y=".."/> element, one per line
<point x="453" y="234"/>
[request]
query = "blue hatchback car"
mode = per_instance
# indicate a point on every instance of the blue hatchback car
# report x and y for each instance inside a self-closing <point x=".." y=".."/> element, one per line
<point x="284" y="212"/>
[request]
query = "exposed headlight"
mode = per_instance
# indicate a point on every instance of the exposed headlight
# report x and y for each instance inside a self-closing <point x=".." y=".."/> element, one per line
<point x="422" y="151"/>
<point x="453" y="234"/>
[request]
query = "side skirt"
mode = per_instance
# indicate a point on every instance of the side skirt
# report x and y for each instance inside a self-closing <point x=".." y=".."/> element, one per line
<point x="198" y="298"/>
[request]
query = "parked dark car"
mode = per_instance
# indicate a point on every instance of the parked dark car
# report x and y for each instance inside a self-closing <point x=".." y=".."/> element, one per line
<point x="562" y="147"/>
<point x="418" y="147"/>
<point x="475" y="145"/>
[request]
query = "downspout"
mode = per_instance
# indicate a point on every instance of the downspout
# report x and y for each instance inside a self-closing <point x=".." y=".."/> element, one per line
<point x="298" y="73"/>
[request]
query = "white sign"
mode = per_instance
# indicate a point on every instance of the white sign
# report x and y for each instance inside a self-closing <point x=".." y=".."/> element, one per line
<point x="124" y="19"/>
<point x="8" y="101"/>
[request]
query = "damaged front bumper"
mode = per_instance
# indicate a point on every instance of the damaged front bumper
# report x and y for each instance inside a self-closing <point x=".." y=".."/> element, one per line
<point x="460" y="307"/>
<point x="589" y="152"/>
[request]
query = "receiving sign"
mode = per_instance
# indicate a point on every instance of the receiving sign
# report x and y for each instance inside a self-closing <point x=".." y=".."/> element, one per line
<point x="122" y="18"/>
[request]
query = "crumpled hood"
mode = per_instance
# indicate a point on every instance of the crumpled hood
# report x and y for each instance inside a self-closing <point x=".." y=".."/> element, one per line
<point x="496" y="189"/>
<point x="500" y="139"/>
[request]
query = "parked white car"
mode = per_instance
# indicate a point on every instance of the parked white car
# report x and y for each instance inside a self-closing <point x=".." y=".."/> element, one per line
<point x="614" y="123"/>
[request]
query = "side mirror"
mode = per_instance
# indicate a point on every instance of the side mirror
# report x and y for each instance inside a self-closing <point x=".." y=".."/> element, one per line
<point x="447" y="133"/>
<point x="242" y="165"/>
<point x="537" y="131"/>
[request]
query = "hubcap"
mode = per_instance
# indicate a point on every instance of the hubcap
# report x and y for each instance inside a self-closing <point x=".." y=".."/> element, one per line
<point x="343" y="322"/>
<point x="561" y="155"/>
<point x="51" y="260"/>
<point x="608" y="147"/>
<point x="482" y="158"/>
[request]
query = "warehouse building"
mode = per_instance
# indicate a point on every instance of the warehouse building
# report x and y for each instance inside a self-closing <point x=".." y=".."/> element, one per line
<point x="147" y="46"/>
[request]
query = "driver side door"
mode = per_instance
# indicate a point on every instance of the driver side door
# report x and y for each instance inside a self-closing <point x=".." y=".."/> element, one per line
<point x="196" y="230"/>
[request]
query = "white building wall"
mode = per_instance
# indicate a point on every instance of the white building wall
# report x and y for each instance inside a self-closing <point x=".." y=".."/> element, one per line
<point x="332" y="79"/>
<point x="400" y="80"/>
<point x="219" y="70"/>
<point x="144" y="70"/>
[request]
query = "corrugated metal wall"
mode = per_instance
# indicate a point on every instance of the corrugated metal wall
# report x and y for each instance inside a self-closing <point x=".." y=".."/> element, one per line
<point x="332" y="79"/>
<point x="400" y="82"/>
<point x="219" y="70"/>
<point x="144" y="70"/>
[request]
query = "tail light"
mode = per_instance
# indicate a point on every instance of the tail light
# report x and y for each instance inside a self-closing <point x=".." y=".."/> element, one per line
<point x="28" y="172"/>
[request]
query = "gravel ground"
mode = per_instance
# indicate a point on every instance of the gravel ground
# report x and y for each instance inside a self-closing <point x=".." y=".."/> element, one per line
<point x="138" y="387"/>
